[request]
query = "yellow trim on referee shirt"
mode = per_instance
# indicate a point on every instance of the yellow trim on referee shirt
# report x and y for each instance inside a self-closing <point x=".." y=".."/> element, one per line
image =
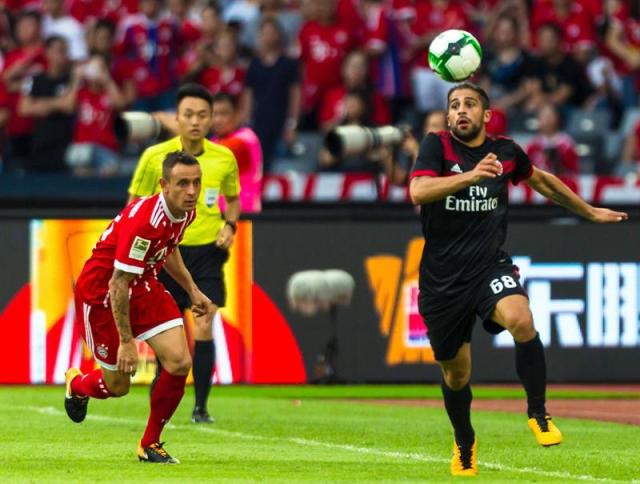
<point x="219" y="177"/>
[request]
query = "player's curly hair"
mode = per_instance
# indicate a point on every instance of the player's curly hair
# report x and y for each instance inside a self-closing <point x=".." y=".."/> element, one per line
<point x="174" y="158"/>
<point x="484" y="97"/>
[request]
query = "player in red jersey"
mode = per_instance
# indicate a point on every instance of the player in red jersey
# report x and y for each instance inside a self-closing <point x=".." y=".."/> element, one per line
<point x="118" y="297"/>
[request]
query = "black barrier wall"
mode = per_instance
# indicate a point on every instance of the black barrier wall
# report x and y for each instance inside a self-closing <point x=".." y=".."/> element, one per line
<point x="582" y="279"/>
<point x="14" y="262"/>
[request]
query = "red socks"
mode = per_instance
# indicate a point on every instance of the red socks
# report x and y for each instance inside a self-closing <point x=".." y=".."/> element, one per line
<point x="91" y="385"/>
<point x="165" y="398"/>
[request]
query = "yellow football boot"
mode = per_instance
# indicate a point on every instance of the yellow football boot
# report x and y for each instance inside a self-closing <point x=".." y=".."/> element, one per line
<point x="465" y="461"/>
<point x="545" y="431"/>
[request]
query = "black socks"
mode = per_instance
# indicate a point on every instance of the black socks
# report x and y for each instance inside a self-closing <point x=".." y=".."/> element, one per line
<point x="532" y="371"/>
<point x="204" y="358"/>
<point x="458" y="405"/>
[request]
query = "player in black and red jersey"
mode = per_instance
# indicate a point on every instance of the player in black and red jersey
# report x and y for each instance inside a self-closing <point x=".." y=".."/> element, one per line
<point x="118" y="297"/>
<point x="460" y="179"/>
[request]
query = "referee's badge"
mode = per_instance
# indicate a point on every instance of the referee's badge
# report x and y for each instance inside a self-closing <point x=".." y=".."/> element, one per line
<point x="211" y="196"/>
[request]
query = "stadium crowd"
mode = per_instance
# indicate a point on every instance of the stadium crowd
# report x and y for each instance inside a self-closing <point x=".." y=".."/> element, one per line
<point x="563" y="75"/>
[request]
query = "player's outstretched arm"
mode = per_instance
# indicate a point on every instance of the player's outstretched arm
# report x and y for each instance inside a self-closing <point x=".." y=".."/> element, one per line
<point x="174" y="265"/>
<point x="554" y="189"/>
<point x="119" y="294"/>
<point x="427" y="189"/>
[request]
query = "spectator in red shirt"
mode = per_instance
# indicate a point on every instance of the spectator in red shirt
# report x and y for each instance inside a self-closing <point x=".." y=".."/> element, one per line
<point x="187" y="20"/>
<point x="518" y="11"/>
<point x="622" y="44"/>
<point x="94" y="149"/>
<point x="355" y="78"/>
<point x="226" y="73"/>
<point x="149" y="41"/>
<point x="88" y="11"/>
<point x="21" y="64"/>
<point x="17" y="6"/>
<point x="574" y="20"/>
<point x="324" y="44"/>
<point x="101" y="42"/>
<point x="196" y="57"/>
<point x="553" y="150"/>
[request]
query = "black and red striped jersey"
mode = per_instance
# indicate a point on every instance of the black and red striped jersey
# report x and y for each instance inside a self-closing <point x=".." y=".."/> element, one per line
<point x="465" y="231"/>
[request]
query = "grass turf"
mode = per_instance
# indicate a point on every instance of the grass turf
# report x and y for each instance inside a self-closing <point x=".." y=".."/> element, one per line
<point x="291" y="434"/>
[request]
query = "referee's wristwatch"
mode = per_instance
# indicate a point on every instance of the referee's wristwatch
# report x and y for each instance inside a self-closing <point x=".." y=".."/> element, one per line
<point x="233" y="225"/>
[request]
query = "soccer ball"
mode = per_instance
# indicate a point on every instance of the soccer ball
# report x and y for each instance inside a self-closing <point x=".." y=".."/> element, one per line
<point x="455" y="55"/>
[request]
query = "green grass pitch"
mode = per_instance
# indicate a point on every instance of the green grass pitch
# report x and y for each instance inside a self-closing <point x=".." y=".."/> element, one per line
<point x="298" y="434"/>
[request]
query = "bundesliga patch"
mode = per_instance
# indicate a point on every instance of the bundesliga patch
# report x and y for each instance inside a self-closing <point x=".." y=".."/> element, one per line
<point x="210" y="197"/>
<point x="139" y="248"/>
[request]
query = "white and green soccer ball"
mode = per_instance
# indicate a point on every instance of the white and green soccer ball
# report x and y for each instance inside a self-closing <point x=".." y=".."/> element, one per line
<point x="455" y="55"/>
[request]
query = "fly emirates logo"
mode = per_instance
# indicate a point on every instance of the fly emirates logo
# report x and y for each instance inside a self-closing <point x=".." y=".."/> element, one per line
<point x="477" y="201"/>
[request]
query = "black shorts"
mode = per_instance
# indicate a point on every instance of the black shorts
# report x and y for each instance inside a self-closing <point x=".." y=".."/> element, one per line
<point x="205" y="263"/>
<point x="450" y="320"/>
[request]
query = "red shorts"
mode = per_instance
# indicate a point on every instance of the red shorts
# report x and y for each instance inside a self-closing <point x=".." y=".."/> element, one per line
<point x="150" y="314"/>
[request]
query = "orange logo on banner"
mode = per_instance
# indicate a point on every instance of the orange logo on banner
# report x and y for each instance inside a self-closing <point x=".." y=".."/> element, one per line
<point x="394" y="283"/>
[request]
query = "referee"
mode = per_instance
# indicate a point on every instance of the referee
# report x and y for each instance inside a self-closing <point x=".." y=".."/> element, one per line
<point x="205" y="247"/>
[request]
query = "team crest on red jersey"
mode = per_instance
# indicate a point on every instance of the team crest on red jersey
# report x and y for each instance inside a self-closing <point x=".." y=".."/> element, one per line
<point x="102" y="350"/>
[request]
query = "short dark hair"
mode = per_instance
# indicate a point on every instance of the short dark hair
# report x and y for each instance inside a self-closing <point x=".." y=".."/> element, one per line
<point x="191" y="89"/>
<point x="174" y="158"/>
<point x="277" y="25"/>
<point x="484" y="97"/>
<point x="52" y="39"/>
<point x="225" y="97"/>
<point x="553" y="27"/>
<point x="29" y="13"/>
<point x="105" y="24"/>
<point x="213" y="5"/>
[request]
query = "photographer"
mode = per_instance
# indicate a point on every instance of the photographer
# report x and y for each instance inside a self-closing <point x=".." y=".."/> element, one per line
<point x="397" y="167"/>
<point x="355" y="114"/>
<point x="393" y="150"/>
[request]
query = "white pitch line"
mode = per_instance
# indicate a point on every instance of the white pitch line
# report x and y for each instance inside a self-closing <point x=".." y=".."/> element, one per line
<point x="406" y="456"/>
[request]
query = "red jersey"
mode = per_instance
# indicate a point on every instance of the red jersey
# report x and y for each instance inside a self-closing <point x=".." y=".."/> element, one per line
<point x="15" y="6"/>
<point x="153" y="45"/>
<point x="577" y="27"/>
<point x="95" y="118"/>
<point x="348" y="14"/>
<point x="217" y="80"/>
<point x="556" y="155"/>
<point x="631" y="28"/>
<point x="322" y="51"/>
<point x="112" y="10"/>
<point x="137" y="241"/>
